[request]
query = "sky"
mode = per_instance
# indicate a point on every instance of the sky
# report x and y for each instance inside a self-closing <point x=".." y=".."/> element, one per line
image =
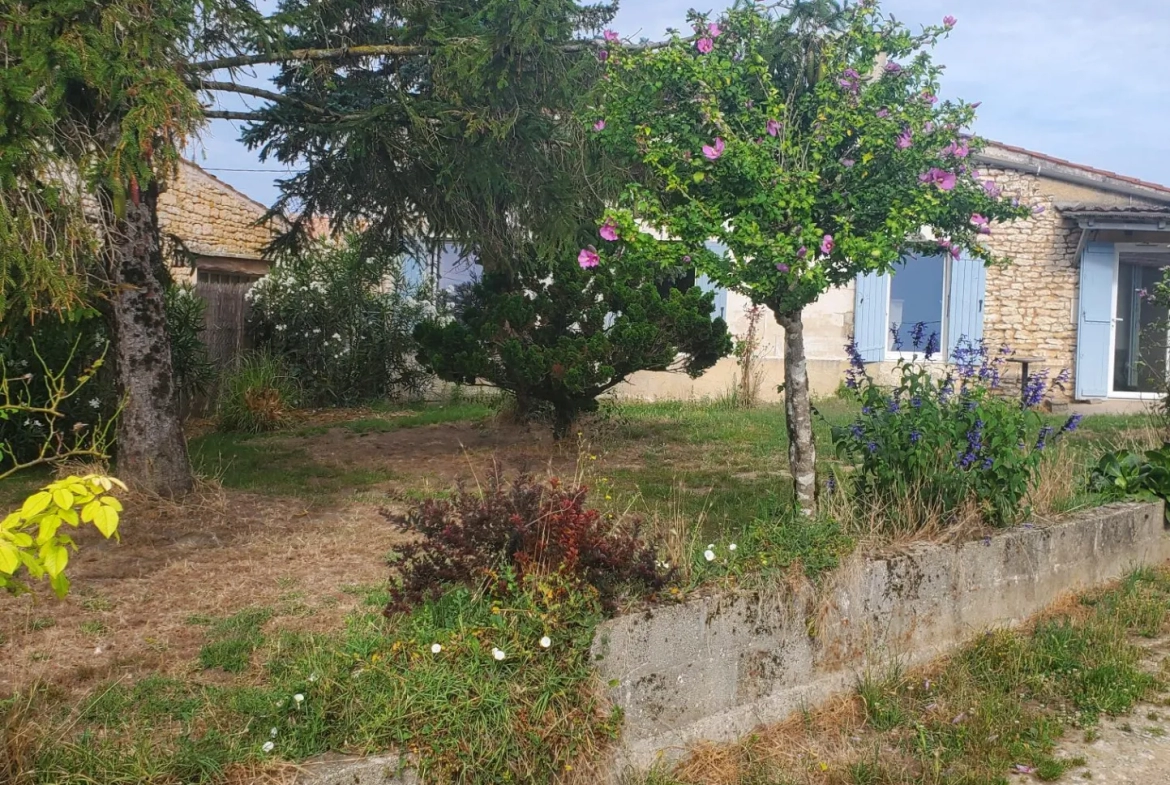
<point x="1083" y="80"/>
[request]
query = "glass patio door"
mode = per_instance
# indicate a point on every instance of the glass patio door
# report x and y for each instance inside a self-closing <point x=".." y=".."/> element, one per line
<point x="1140" y="325"/>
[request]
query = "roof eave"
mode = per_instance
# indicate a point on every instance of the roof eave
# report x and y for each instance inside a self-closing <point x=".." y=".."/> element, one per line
<point x="993" y="155"/>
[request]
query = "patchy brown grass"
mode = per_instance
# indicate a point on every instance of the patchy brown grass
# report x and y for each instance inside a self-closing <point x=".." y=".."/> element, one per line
<point x="133" y="601"/>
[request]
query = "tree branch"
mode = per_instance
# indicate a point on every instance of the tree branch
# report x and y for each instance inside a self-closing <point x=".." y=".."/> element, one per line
<point x="232" y="87"/>
<point x="223" y="114"/>
<point x="378" y="50"/>
<point x="369" y="50"/>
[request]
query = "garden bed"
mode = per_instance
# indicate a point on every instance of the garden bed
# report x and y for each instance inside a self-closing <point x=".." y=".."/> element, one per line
<point x="203" y="606"/>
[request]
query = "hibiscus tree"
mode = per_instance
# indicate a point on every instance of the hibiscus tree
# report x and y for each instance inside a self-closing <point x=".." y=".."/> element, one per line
<point x="810" y="143"/>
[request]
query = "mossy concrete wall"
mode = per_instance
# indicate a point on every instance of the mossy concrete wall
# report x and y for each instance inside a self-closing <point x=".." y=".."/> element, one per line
<point x="715" y="667"/>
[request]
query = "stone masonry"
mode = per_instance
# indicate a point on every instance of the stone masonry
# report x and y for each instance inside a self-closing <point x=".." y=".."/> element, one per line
<point x="212" y="218"/>
<point x="1031" y="304"/>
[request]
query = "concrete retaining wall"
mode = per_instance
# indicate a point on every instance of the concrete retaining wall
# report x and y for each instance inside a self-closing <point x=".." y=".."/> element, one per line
<point x="715" y="667"/>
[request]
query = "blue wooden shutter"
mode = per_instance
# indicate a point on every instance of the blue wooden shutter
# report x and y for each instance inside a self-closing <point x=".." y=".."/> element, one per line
<point x="707" y="285"/>
<point x="1095" y="323"/>
<point x="871" y="327"/>
<point x="965" y="317"/>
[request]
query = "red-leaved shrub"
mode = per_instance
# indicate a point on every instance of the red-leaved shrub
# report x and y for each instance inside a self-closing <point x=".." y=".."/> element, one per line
<point x="535" y="528"/>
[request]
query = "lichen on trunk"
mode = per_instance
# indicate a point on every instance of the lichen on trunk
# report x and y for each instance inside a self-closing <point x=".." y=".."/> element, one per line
<point x="802" y="451"/>
<point x="151" y="448"/>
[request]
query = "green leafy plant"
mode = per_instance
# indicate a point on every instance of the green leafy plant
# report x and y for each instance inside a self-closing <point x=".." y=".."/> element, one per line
<point x="256" y="396"/>
<point x="809" y="140"/>
<point x="31" y="537"/>
<point x="557" y="334"/>
<point x="191" y="364"/>
<point x="1124" y="474"/>
<point x="340" y="326"/>
<point x="946" y="441"/>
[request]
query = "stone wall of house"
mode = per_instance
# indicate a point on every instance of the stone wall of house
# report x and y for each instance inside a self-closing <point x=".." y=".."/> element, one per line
<point x="211" y="217"/>
<point x="1031" y="303"/>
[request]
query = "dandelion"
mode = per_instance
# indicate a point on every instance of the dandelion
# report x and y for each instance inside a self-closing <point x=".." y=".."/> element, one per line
<point x="732" y="547"/>
<point x="298" y="699"/>
<point x="498" y="654"/>
<point x="545" y="642"/>
<point x="436" y="648"/>
<point x="268" y="746"/>
<point x="709" y="555"/>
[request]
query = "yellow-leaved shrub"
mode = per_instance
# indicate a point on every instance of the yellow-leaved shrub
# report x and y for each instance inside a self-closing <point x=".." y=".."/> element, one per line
<point x="31" y="537"/>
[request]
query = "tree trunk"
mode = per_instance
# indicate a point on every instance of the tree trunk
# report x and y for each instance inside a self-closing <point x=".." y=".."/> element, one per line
<point x="151" y="449"/>
<point x="802" y="451"/>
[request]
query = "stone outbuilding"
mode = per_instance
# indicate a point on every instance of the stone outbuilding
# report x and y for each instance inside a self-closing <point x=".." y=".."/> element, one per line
<point x="1075" y="296"/>
<point x="222" y="229"/>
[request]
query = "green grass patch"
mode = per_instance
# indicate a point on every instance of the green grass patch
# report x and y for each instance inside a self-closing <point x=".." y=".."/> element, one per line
<point x="231" y="641"/>
<point x="270" y="466"/>
<point x="376" y="685"/>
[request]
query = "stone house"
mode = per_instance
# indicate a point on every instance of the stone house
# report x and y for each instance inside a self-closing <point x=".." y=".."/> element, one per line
<point x="217" y="225"/>
<point x="1073" y="297"/>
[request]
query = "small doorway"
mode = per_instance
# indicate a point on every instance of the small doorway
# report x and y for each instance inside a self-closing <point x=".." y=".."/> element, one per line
<point x="1140" y="344"/>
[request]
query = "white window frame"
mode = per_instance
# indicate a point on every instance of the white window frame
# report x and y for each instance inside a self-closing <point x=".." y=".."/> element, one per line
<point x="918" y="354"/>
<point x="1118" y="250"/>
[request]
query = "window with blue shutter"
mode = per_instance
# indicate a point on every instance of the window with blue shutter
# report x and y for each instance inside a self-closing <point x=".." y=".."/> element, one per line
<point x="870" y="309"/>
<point x="965" y="314"/>
<point x="707" y="285"/>
<point x="1095" y="321"/>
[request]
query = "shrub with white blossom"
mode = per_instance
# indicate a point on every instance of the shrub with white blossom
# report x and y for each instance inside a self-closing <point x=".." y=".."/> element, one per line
<point x="342" y="322"/>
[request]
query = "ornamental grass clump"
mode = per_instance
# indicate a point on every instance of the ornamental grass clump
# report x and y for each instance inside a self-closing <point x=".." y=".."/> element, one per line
<point x="954" y="443"/>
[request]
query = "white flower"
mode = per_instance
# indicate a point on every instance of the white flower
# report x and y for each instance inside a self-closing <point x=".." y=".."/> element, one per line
<point x="336" y="336"/>
<point x="280" y="328"/>
<point x="436" y="648"/>
<point x="316" y="331"/>
<point x="709" y="555"/>
<point x="94" y="403"/>
<point x="545" y="642"/>
<point x="38" y="424"/>
<point x="268" y="746"/>
<point x="732" y="547"/>
<point x="666" y="565"/>
<point x="498" y="654"/>
<point x="711" y="546"/>
<point x="312" y="677"/>
<point x="299" y="698"/>
<point x="272" y="733"/>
